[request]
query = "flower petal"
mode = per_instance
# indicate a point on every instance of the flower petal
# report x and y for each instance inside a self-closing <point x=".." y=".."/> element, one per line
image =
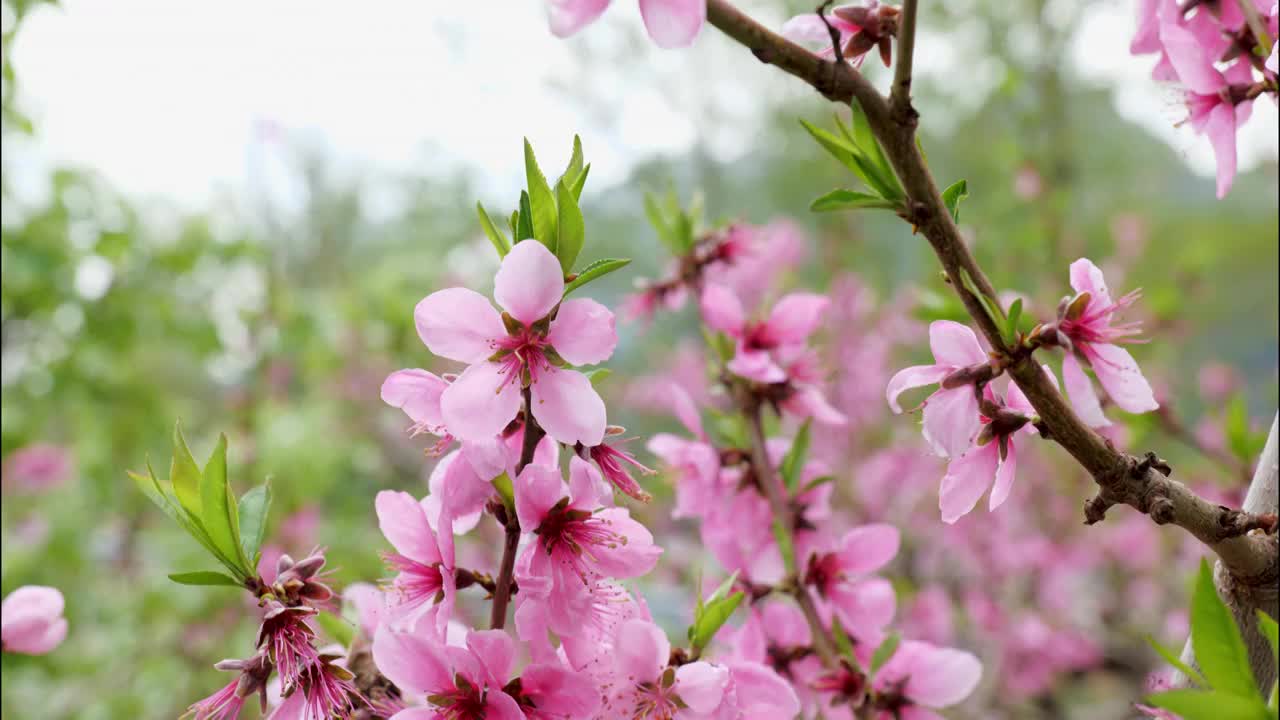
<point x="567" y="17"/>
<point x="1193" y="67"/>
<point x="1080" y="390"/>
<point x="1221" y="129"/>
<point x="1086" y="277"/>
<point x="480" y="403"/>
<point x="529" y="282"/>
<point x="673" y="23"/>
<point x="537" y="489"/>
<point x="968" y="476"/>
<point x="913" y="377"/>
<point x="641" y="651"/>
<point x="404" y="523"/>
<point x="702" y="685"/>
<point x="755" y="365"/>
<point x="794" y="317"/>
<point x="1004" y="477"/>
<point x="721" y="310"/>
<point x="496" y="651"/>
<point x="951" y="421"/>
<point x="458" y="324"/>
<point x="865" y="606"/>
<point x="1120" y="377"/>
<point x="954" y="344"/>
<point x="568" y="407"/>
<point x="761" y="693"/>
<point x="416" y="392"/>
<point x="943" y="677"/>
<point x="583" y="332"/>
<point x="868" y="548"/>
<point x="413" y="661"/>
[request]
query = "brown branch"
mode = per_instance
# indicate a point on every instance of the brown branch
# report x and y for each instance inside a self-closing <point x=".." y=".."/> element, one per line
<point x="1121" y="478"/>
<point x="900" y="95"/>
<point x="511" y="524"/>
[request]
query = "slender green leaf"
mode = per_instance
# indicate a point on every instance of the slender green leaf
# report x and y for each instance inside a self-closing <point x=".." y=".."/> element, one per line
<point x="184" y="474"/>
<point x="782" y="534"/>
<point x="595" y="271"/>
<point x="1210" y="705"/>
<point x="850" y="200"/>
<point x="659" y="222"/>
<point x="541" y="201"/>
<point x="817" y="482"/>
<point x="500" y="241"/>
<point x="1219" y="649"/>
<point x="844" y="645"/>
<point x="1267" y="626"/>
<point x="205" y="577"/>
<point x="524" y="221"/>
<point x="723" y="588"/>
<point x="884" y="652"/>
<point x="852" y="158"/>
<point x="580" y="182"/>
<point x="993" y="310"/>
<point x="255" y="508"/>
<point x="1011" y="325"/>
<point x="1176" y="663"/>
<point x="570" y="229"/>
<point x="793" y="462"/>
<point x="866" y="141"/>
<point x="219" y="516"/>
<point x="163" y="499"/>
<point x="340" y="629"/>
<point x="953" y="195"/>
<point x="598" y="375"/>
<point x="712" y="617"/>
<point x="1236" y="425"/>
<point x="503" y="485"/>
<point x="574" y="168"/>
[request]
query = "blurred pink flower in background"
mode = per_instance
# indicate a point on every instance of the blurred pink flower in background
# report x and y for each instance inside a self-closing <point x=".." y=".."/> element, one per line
<point x="31" y="620"/>
<point x="37" y="468"/>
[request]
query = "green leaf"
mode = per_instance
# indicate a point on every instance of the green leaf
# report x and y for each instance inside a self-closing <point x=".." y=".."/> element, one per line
<point x="953" y="195"/>
<point x="658" y="220"/>
<point x="594" y="271"/>
<point x="816" y="482"/>
<point x="884" y="652"/>
<point x="255" y="508"/>
<point x="852" y="158"/>
<point x="1236" y="425"/>
<point x="598" y="375"/>
<point x="782" y="534"/>
<point x="724" y="587"/>
<point x="524" y="223"/>
<point x="1011" y="325"/>
<point x="866" y="141"/>
<point x="1267" y="626"/>
<point x="340" y="629"/>
<point x="496" y="236"/>
<point x="205" y="577"/>
<point x="570" y="230"/>
<point x="1210" y="705"/>
<point x="993" y="310"/>
<point x="712" y="617"/>
<point x="184" y="474"/>
<point x="541" y="201"/>
<point x="165" y="500"/>
<point x="503" y="485"/>
<point x="844" y="645"/>
<point x="793" y="462"/>
<point x="219" y="518"/>
<point x="580" y="182"/>
<point x="1176" y="663"/>
<point x="850" y="200"/>
<point x="1219" y="649"/>
<point x="574" y="168"/>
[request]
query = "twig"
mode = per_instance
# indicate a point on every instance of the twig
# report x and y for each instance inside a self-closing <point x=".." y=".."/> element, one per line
<point x="511" y="524"/>
<point x="1256" y="25"/>
<point x="900" y="94"/>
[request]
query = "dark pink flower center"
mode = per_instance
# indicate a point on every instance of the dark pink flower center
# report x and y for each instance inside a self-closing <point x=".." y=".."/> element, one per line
<point x="573" y="536"/>
<point x="524" y="351"/>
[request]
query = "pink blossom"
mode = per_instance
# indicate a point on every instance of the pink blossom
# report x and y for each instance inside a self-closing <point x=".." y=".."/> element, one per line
<point x="504" y="355"/>
<point x="920" y="675"/>
<point x="551" y="691"/>
<point x="1212" y="109"/>
<point x="929" y="617"/>
<point x="1088" y="321"/>
<point x="369" y="605"/>
<point x="670" y="23"/>
<point x="31" y="620"/>
<point x="459" y="683"/>
<point x="36" y="468"/>
<point x="951" y="413"/>
<point x="424" y="568"/>
<point x="224" y="704"/>
<point x="576" y="542"/>
<point x="993" y="459"/>
<point x="860" y="27"/>
<point x="865" y="604"/>
<point x="612" y="462"/>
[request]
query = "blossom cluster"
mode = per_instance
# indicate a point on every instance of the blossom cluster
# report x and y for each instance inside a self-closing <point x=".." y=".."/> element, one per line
<point x="1214" y="51"/>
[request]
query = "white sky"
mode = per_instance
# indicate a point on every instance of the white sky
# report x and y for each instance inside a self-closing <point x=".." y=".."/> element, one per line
<point x="168" y="98"/>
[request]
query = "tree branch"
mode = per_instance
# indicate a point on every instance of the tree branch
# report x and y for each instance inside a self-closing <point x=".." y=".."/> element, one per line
<point x="1122" y="478"/>
<point x="900" y="95"/>
<point x="533" y="434"/>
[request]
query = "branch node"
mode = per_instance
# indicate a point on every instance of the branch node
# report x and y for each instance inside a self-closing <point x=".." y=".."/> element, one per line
<point x="1149" y="462"/>
<point x="1095" y="509"/>
<point x="1161" y="509"/>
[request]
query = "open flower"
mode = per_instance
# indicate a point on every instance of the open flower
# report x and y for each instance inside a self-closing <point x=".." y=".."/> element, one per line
<point x="1088" y="322"/>
<point x="860" y="27"/>
<point x="920" y="677"/>
<point x="425" y="569"/>
<point x="670" y="23"/>
<point x="31" y="620"/>
<point x="864" y="603"/>
<point x="523" y="347"/>
<point x="951" y="413"/>
<point x="459" y="683"/>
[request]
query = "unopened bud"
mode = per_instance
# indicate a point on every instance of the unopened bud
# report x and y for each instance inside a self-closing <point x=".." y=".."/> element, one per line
<point x="980" y="373"/>
<point x="283" y="564"/>
<point x="308" y="566"/>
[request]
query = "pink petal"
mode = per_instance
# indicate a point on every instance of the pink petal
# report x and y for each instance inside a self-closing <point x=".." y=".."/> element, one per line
<point x="1080" y="390"/>
<point x="501" y="706"/>
<point x="868" y="548"/>
<point x="794" y="317"/>
<point x="496" y="651"/>
<point x="538" y="488"/>
<point x="806" y="28"/>
<point x="685" y="410"/>
<point x="761" y="693"/>
<point x="567" y="17"/>
<point x="702" y="686"/>
<point x="1194" y="69"/>
<point x="756" y="365"/>
<point x="1004" y="477"/>
<point x="968" y="476"/>
<point x="488" y="458"/>
<point x="641" y="651"/>
<point x="369" y="603"/>
<point x="481" y="402"/>
<point x="413" y="661"/>
<point x="458" y="496"/>
<point x="1015" y="399"/>
<point x="673" y="23"/>
<point x="583" y="332"/>
<point x="721" y="310"/>
<point x="560" y="692"/>
<point x="943" y="677"/>
<point x="568" y="407"/>
<point x="529" y="282"/>
<point x="417" y="392"/>
<point x="634" y="556"/>
<point x="951" y="421"/>
<point x="32" y="601"/>
<point x="866" y="606"/>
<point x="954" y="344"/>
<point x="585" y="482"/>
<point x="1086" y="277"/>
<point x="1120" y="377"/>
<point x="1221" y="129"/>
<point x="459" y="324"/>
<point x="914" y="377"/>
<point x="808" y="401"/>
<point x="405" y="526"/>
